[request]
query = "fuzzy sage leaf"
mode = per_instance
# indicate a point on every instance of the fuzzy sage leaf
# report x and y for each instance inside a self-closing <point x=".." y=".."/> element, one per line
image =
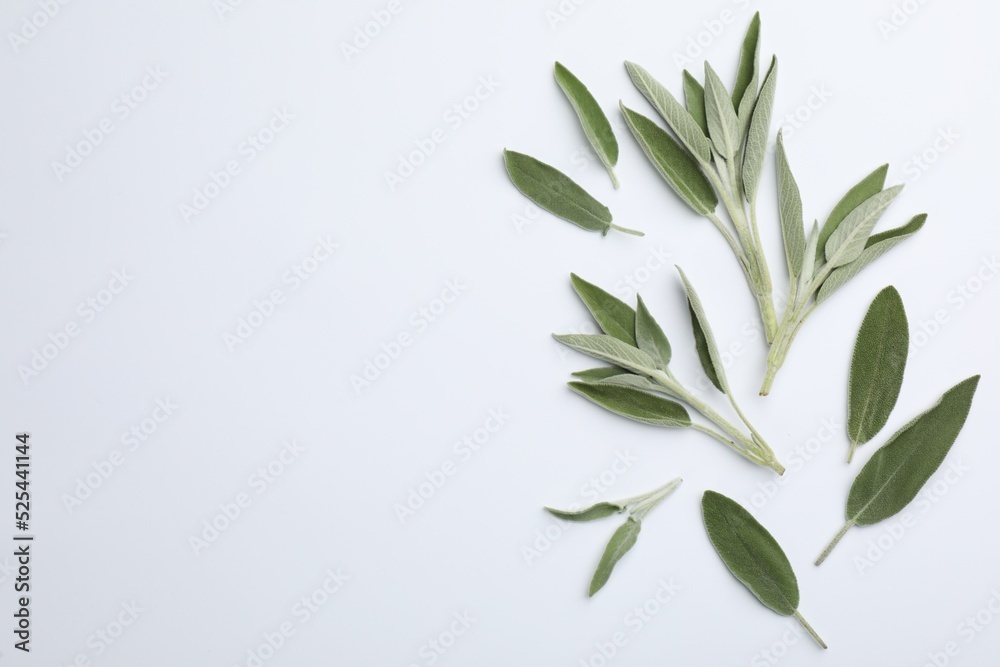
<point x="595" y="511"/>
<point x="869" y="186"/>
<point x="749" y="58"/>
<point x="610" y="349"/>
<point x="634" y="404"/>
<point x="614" y="316"/>
<point x="849" y="238"/>
<point x="650" y="336"/>
<point x="790" y="212"/>
<point x="723" y="124"/>
<point x="760" y="125"/>
<point x="676" y="116"/>
<point x="694" y="101"/>
<point x="708" y="351"/>
<point x="596" y="125"/>
<point x="621" y="542"/>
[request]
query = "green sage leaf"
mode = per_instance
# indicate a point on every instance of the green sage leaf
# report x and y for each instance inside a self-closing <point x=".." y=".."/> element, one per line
<point x="610" y="349"/>
<point x="868" y="187"/>
<point x="637" y="382"/>
<point x="596" y="125"/>
<point x="749" y="60"/>
<point x="596" y="511"/>
<point x="623" y="539"/>
<point x="809" y="258"/>
<point x="676" y="116"/>
<point x="877" y="367"/>
<point x="708" y="351"/>
<point x="650" y="336"/>
<point x="757" y="134"/>
<point x="849" y="238"/>
<point x="875" y="247"/>
<point x="598" y="374"/>
<point x="675" y="165"/>
<point x="615" y="317"/>
<point x="790" y="212"/>
<point x="723" y="124"/>
<point x="634" y="404"/>
<point x="694" y="100"/>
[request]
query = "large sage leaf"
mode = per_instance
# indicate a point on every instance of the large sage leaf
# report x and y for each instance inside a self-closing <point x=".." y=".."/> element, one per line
<point x="634" y="404"/>
<point x="596" y="511"/>
<point x="723" y="124"/>
<point x="614" y="316"/>
<point x="869" y="186"/>
<point x="757" y="134"/>
<point x="596" y="125"/>
<point x="877" y="367"/>
<point x="849" y="239"/>
<point x="708" y="351"/>
<point x="675" y="165"/>
<point x="790" y="212"/>
<point x="623" y="539"/>
<point x="650" y="336"/>
<point x="676" y="116"/>
<point x="610" y="349"/>
<point x="694" y="100"/>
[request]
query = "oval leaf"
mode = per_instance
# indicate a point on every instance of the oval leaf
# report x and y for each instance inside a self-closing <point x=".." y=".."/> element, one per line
<point x="751" y="553"/>
<point x="790" y="212"/>
<point x="634" y="404"/>
<point x="596" y="125"/>
<point x="848" y="241"/>
<point x="676" y="116"/>
<point x="610" y="349"/>
<point x="676" y="166"/>
<point x="723" y="124"/>
<point x="694" y="100"/>
<point x="596" y="511"/>
<point x="877" y="367"/>
<point x="650" y="336"/>
<point x="869" y="186"/>
<point x="896" y="472"/>
<point x="708" y="351"/>
<point x="615" y="317"/>
<point x="760" y="127"/>
<point x="623" y="540"/>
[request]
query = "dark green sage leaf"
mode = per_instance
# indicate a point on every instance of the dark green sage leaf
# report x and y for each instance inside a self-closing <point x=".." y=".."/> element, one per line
<point x="790" y="212"/>
<point x="868" y="187"/>
<point x="676" y="116"/>
<point x="634" y="404"/>
<point x="723" y="124"/>
<point x="596" y="125"/>
<point x="749" y="59"/>
<point x="596" y="511"/>
<point x="650" y="336"/>
<point x="877" y="367"/>
<point x="620" y="543"/>
<point x="849" y="238"/>
<point x="708" y="351"/>
<point x="615" y="317"/>
<point x="611" y="350"/>
<point x="757" y="134"/>
<point x="694" y="100"/>
<point x="598" y="374"/>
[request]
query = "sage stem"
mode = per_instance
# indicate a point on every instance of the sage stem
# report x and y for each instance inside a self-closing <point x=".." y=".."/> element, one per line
<point x="836" y="540"/>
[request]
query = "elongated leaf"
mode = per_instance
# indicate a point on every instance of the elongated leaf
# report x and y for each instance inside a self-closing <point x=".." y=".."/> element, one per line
<point x="868" y="187"/>
<point x="596" y="511"/>
<point x="875" y="247"/>
<point x="596" y="125"/>
<point x="610" y="349"/>
<point x="676" y="166"/>
<point x="749" y="60"/>
<point x="637" y="382"/>
<point x="723" y="124"/>
<point x="556" y="192"/>
<point x="708" y="351"/>
<point x="650" y="336"/>
<point x="615" y="317"/>
<point x="634" y="404"/>
<point x="790" y="212"/>
<point x="677" y="117"/>
<point x="849" y="239"/>
<point x="694" y="100"/>
<point x="757" y="134"/>
<point x="751" y="553"/>
<point x="896" y="472"/>
<point x="598" y="374"/>
<point x="620" y="543"/>
<point x="877" y="367"/>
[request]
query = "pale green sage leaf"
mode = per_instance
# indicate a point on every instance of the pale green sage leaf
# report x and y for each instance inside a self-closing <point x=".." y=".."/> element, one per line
<point x="677" y="117"/>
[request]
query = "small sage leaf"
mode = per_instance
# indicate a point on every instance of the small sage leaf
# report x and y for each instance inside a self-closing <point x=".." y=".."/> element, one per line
<point x="708" y="351"/>
<point x="677" y="117"/>
<point x="650" y="336"/>
<point x="596" y="125"/>
<point x="610" y="349"/>
<point x="848" y="241"/>
<point x="790" y="212"/>
<point x="615" y="317"/>
<point x="596" y="511"/>
<point x="876" y="246"/>
<point x="558" y="194"/>
<point x="749" y="59"/>
<point x="675" y="165"/>
<point x="723" y="125"/>
<point x="760" y="126"/>
<point x="623" y="539"/>
<point x="638" y="382"/>
<point x="598" y="374"/>
<point x="877" y="367"/>
<point x="869" y="186"/>
<point x="634" y="404"/>
<point x="694" y="100"/>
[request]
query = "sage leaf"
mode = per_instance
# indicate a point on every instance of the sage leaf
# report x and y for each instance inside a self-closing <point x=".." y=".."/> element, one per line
<point x="723" y="125"/>
<point x="614" y="316"/>
<point x="869" y="186"/>
<point x="790" y="212"/>
<point x="623" y="539"/>
<point x="694" y="100"/>
<point x="760" y="126"/>
<point x="877" y="367"/>
<point x="638" y="382"/>
<point x="752" y="555"/>
<point x="708" y="351"/>
<point x="598" y="374"/>
<point x="558" y="194"/>
<point x="677" y="117"/>
<point x="634" y="404"/>
<point x="675" y="165"/>
<point x="650" y="336"/>
<point x="849" y="238"/>
<point x="894" y="474"/>
<point x="596" y="511"/>
<point x="875" y="247"/>
<point x="596" y="125"/>
<point x="809" y="258"/>
<point x="749" y="59"/>
<point x="610" y="349"/>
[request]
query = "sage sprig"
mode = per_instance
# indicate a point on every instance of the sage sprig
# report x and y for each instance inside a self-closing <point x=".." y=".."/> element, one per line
<point x="753" y="556"/>
<point x="877" y="368"/>
<point x="625" y="537"/>
<point x="896" y="472"/>
<point x="640" y="386"/>
<point x="595" y="124"/>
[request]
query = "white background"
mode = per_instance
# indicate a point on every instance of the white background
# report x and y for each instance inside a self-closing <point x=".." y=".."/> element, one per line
<point x="334" y="507"/>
